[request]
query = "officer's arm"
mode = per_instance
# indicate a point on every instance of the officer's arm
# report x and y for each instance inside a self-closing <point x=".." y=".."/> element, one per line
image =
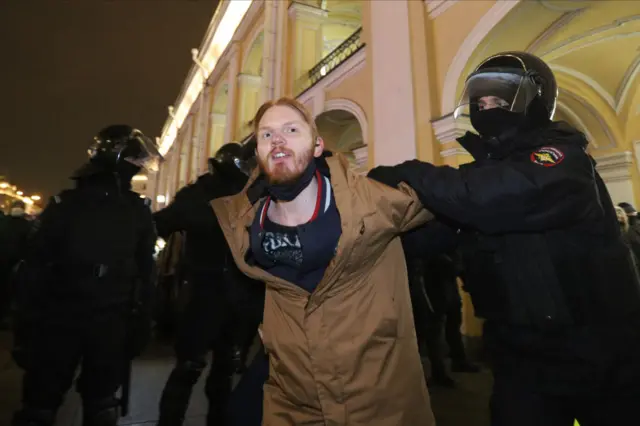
<point x="400" y="207"/>
<point x="170" y="219"/>
<point x="509" y="196"/>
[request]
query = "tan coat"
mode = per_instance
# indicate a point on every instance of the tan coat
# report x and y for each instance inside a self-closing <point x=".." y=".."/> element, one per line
<point x="347" y="353"/>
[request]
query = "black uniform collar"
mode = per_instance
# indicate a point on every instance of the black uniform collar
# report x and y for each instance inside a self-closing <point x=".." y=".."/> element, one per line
<point x="550" y="134"/>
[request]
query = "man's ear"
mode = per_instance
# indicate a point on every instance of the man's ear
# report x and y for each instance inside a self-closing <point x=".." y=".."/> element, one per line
<point x="318" y="147"/>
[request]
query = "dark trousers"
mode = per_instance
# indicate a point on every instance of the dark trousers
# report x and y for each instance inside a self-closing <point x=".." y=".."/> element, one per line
<point x="452" y="333"/>
<point x="204" y="326"/>
<point x="551" y="378"/>
<point x="430" y="327"/>
<point x="96" y="344"/>
<point x="245" y="405"/>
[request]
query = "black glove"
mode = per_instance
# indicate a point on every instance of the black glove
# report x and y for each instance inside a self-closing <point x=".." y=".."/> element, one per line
<point x="388" y="175"/>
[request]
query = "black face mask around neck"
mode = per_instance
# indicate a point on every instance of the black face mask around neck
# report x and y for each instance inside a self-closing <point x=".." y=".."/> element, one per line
<point x="289" y="191"/>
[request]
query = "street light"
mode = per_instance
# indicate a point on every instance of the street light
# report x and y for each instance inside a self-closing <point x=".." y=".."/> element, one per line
<point x="20" y="193"/>
<point x="4" y="185"/>
<point x="35" y="197"/>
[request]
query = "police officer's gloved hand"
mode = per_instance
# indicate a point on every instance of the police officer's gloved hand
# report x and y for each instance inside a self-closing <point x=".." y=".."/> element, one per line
<point x="388" y="175"/>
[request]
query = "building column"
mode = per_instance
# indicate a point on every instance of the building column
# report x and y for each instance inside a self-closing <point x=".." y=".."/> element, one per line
<point x="199" y="162"/>
<point x="217" y="132"/>
<point x="394" y="124"/>
<point x="306" y="23"/>
<point x="281" y="49"/>
<point x="232" y="96"/>
<point x="269" y="50"/>
<point x="160" y="193"/>
<point x="249" y="93"/>
<point x="174" y="163"/>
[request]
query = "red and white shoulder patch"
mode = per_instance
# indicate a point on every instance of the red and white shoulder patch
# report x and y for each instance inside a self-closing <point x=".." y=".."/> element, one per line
<point x="547" y="156"/>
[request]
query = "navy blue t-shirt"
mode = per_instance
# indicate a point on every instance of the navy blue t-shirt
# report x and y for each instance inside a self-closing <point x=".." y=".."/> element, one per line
<point x="298" y="254"/>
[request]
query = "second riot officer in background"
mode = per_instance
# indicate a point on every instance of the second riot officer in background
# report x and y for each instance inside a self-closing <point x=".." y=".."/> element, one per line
<point x="545" y="261"/>
<point x="89" y="268"/>
<point x="223" y="308"/>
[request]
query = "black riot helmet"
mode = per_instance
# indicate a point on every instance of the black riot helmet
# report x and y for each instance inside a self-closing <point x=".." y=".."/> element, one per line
<point x="120" y="149"/>
<point x="230" y="159"/>
<point x="517" y="87"/>
<point x="120" y="143"/>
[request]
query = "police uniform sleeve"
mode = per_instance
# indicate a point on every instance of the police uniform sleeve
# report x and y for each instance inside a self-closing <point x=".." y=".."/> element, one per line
<point x="510" y="196"/>
<point x="170" y="219"/>
<point x="188" y="211"/>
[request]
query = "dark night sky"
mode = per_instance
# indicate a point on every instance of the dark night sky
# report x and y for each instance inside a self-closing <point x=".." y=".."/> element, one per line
<point x="70" y="67"/>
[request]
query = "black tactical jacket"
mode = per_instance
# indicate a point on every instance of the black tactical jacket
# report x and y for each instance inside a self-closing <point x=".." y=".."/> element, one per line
<point x="539" y="238"/>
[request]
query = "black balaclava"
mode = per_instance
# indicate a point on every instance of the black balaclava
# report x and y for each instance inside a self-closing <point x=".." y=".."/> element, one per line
<point x="498" y="123"/>
<point x="492" y="123"/>
<point x="289" y="191"/>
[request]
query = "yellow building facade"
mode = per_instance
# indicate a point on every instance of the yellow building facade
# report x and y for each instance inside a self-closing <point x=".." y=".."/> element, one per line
<point x="383" y="78"/>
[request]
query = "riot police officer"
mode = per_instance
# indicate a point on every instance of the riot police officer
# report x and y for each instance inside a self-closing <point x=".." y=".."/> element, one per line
<point x="88" y="270"/>
<point x="224" y="308"/>
<point x="545" y="262"/>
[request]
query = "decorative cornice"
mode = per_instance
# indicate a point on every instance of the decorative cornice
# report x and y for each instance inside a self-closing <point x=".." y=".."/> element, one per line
<point x="615" y="167"/>
<point x="436" y="8"/>
<point x="448" y="129"/>
<point x="306" y="12"/>
<point x="452" y="152"/>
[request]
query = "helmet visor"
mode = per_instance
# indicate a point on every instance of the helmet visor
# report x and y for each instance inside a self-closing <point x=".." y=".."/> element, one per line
<point x="507" y="88"/>
<point x="245" y="166"/>
<point x="142" y="152"/>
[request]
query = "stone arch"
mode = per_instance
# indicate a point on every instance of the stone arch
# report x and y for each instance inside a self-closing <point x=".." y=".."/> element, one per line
<point x="248" y="64"/>
<point x="342" y="126"/>
<point x="574" y="119"/>
<point x="354" y="109"/>
<point x="600" y="126"/>
<point x="490" y="19"/>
